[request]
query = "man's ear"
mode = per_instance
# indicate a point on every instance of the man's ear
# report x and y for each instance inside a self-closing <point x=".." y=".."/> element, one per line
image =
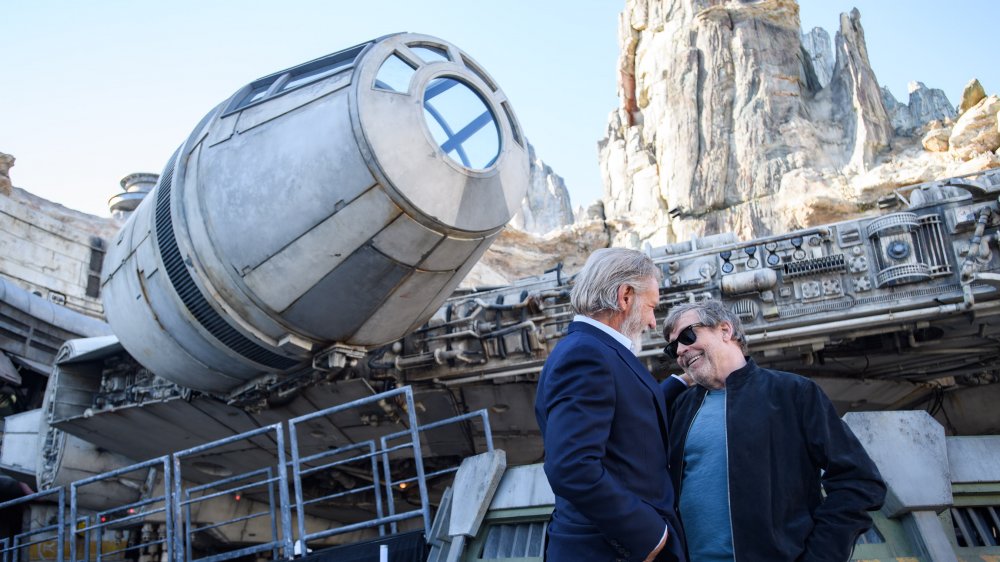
<point x="625" y="296"/>
<point x="727" y="330"/>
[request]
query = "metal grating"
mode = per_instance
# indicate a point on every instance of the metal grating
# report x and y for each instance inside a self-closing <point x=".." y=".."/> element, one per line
<point x="513" y="540"/>
<point x="893" y="224"/>
<point x="900" y="274"/>
<point x="189" y="293"/>
<point x="814" y="266"/>
<point x="976" y="526"/>
<point x="792" y="310"/>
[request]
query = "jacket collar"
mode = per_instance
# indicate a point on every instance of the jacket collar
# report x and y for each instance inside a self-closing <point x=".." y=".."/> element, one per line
<point x="626" y="354"/>
<point x="741" y="376"/>
<point x="615" y="334"/>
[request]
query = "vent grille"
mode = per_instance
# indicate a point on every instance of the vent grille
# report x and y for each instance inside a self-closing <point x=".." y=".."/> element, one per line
<point x="514" y="540"/>
<point x="794" y="310"/>
<point x="976" y="526"/>
<point x="189" y="293"/>
<point x="746" y="309"/>
<point x="815" y="266"/>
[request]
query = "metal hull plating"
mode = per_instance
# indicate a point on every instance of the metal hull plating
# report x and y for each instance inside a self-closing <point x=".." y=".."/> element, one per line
<point x="314" y="214"/>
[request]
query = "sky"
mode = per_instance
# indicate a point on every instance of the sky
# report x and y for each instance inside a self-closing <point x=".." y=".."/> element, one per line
<point x="93" y="91"/>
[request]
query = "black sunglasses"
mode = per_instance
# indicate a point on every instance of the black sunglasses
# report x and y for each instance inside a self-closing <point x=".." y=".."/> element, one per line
<point x="686" y="337"/>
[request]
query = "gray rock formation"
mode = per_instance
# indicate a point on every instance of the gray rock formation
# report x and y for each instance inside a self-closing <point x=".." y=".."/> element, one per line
<point x="546" y="206"/>
<point x="728" y="122"/>
<point x="857" y="99"/>
<point x="517" y="254"/>
<point x="936" y="138"/>
<point x="6" y="161"/>
<point x="971" y="95"/>
<point x="976" y="131"/>
<point x="817" y="46"/>
<point x="925" y="105"/>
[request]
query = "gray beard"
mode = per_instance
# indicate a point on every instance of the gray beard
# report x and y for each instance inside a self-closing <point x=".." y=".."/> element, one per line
<point x="632" y="328"/>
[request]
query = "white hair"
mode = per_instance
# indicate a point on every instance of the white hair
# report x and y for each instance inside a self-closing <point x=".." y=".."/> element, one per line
<point x="607" y="269"/>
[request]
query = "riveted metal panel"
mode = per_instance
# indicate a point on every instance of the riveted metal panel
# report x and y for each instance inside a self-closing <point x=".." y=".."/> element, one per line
<point x="450" y="254"/>
<point x="289" y="274"/>
<point x="404" y="306"/>
<point x="264" y="188"/>
<point x="342" y="301"/>
<point x="271" y="109"/>
<point x="406" y="240"/>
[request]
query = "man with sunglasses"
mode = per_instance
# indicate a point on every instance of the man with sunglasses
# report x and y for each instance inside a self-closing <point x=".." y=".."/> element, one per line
<point x="604" y="422"/>
<point x="751" y="449"/>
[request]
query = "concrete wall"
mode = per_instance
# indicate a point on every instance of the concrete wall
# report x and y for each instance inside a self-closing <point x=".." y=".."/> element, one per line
<point x="54" y="251"/>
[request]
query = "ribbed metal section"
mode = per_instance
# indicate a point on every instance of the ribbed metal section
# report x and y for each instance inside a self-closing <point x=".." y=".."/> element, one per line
<point x="189" y="293"/>
<point x="815" y="266"/>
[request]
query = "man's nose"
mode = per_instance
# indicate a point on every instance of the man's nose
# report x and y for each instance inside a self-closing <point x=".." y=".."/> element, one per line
<point x="681" y="348"/>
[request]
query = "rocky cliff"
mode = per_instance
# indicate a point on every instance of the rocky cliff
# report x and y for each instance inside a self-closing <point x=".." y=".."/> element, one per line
<point x="732" y="120"/>
<point x="6" y="161"/>
<point x="546" y="207"/>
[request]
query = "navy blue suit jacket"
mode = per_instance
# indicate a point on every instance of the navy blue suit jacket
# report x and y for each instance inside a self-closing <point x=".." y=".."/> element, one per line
<point x="604" y="425"/>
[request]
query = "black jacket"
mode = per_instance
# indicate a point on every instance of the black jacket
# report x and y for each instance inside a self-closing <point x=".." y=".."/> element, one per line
<point x="785" y="440"/>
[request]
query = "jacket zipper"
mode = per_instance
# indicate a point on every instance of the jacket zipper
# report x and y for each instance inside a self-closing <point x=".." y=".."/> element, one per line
<point x="687" y="432"/>
<point x="729" y="497"/>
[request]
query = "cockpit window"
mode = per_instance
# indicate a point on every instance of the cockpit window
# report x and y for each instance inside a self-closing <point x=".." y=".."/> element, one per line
<point x="429" y="54"/>
<point x="301" y="75"/>
<point x="461" y="123"/>
<point x="394" y="75"/>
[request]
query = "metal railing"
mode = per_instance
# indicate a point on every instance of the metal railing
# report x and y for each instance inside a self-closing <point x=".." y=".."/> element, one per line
<point x="180" y="504"/>
<point x="268" y="478"/>
<point x="94" y="525"/>
<point x="385" y="459"/>
<point x="13" y="548"/>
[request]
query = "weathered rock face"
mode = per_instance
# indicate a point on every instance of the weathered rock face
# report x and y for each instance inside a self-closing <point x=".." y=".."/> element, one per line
<point x="6" y="161"/>
<point x="817" y="46"/>
<point x="925" y="105"/>
<point x="936" y="139"/>
<point x="516" y="254"/>
<point x="976" y="132"/>
<point x="546" y="206"/>
<point x="971" y="95"/>
<point x="857" y="99"/>
<point x="729" y="121"/>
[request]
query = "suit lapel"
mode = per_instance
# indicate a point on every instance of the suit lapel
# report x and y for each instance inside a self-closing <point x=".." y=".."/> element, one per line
<point x="649" y="382"/>
<point x="637" y="368"/>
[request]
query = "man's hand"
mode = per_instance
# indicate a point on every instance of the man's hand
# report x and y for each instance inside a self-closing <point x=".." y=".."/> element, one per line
<point x="659" y="547"/>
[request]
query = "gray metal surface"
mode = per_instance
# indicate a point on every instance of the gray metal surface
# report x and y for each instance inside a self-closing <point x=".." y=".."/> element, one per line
<point x="33" y="328"/>
<point x="974" y="459"/>
<point x="475" y="483"/>
<point x="20" y="443"/>
<point x="523" y="486"/>
<point x="924" y="482"/>
<point x="318" y="206"/>
<point x="928" y="537"/>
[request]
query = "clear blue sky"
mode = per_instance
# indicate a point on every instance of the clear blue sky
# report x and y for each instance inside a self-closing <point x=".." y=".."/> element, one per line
<point x="92" y="91"/>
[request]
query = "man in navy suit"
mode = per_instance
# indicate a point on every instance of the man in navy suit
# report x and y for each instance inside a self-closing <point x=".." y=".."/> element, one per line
<point x="604" y="423"/>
